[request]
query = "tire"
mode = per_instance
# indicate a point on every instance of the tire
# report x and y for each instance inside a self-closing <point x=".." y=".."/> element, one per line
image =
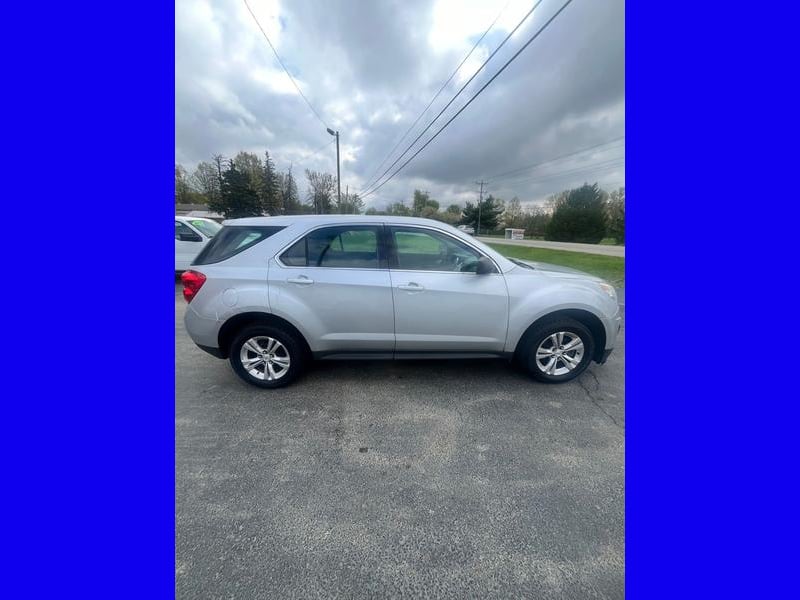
<point x="536" y="355"/>
<point x="271" y="374"/>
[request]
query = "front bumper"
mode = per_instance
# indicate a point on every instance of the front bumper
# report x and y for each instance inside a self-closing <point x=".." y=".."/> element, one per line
<point x="612" y="332"/>
<point x="605" y="355"/>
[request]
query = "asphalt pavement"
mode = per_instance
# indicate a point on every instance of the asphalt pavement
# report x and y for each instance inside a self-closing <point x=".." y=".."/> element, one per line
<point x="441" y="479"/>
<point x="602" y="249"/>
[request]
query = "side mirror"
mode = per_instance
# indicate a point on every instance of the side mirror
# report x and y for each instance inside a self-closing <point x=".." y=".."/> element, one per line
<point x="485" y="266"/>
<point x="189" y="237"/>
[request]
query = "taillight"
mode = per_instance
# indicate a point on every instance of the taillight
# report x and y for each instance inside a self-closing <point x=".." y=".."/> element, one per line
<point x="192" y="282"/>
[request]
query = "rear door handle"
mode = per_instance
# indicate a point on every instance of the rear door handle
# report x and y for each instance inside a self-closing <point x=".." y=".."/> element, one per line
<point x="302" y="280"/>
<point x="411" y="287"/>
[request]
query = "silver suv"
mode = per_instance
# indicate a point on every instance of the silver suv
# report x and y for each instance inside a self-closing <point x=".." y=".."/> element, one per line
<point x="271" y="293"/>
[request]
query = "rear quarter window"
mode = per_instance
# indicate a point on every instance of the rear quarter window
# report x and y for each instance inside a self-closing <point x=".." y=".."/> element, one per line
<point x="232" y="240"/>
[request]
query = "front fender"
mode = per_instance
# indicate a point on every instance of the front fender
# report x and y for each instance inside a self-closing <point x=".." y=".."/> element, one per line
<point x="533" y="297"/>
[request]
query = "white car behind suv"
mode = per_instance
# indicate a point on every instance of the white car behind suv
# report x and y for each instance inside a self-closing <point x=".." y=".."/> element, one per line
<point x="191" y="236"/>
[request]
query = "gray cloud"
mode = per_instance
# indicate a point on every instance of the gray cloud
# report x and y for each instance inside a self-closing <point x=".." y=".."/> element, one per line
<point x="370" y="67"/>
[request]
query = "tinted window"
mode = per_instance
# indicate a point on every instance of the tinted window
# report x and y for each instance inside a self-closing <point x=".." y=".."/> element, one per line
<point x="354" y="247"/>
<point x="296" y="255"/>
<point x="425" y="250"/>
<point x="232" y="240"/>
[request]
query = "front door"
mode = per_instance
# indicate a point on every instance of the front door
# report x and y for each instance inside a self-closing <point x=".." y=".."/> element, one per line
<point x="335" y="283"/>
<point x="440" y="303"/>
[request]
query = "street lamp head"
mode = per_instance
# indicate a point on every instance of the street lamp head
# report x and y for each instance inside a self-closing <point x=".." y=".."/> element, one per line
<point x="331" y="131"/>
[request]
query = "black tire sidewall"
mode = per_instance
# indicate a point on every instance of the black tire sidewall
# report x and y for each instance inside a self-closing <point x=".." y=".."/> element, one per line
<point x="290" y="342"/>
<point x="535" y="337"/>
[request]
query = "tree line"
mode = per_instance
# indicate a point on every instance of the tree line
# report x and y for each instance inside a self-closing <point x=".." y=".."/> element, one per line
<point x="246" y="185"/>
<point x="586" y="214"/>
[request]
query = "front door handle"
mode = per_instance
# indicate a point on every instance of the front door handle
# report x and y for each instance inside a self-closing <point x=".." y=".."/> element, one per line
<point x="411" y="287"/>
<point x="302" y="280"/>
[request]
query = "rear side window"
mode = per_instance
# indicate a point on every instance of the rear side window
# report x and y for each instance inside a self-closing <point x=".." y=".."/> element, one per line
<point x="232" y="240"/>
<point x="351" y="247"/>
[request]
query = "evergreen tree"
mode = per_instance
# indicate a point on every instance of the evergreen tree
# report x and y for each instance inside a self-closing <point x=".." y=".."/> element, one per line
<point x="290" y="199"/>
<point x="579" y="217"/>
<point x="271" y="196"/>
<point x="489" y="214"/>
<point x="237" y="198"/>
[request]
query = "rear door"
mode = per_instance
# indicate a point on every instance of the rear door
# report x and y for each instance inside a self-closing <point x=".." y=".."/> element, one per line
<point x="440" y="303"/>
<point x="334" y="283"/>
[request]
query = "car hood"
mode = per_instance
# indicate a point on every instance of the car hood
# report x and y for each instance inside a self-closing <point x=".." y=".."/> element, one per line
<point x="557" y="270"/>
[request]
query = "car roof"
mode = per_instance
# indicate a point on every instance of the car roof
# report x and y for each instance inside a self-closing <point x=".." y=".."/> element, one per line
<point x="188" y="218"/>
<point x="332" y="219"/>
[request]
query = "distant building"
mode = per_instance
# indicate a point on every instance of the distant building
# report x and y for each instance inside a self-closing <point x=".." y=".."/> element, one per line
<point x="514" y="234"/>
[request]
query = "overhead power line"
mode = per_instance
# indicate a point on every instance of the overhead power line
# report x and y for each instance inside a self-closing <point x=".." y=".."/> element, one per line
<point x="275" y="52"/>
<point x="458" y="93"/>
<point x="597" y="168"/>
<point x="320" y="149"/>
<point x="568" y="169"/>
<point x="552" y="160"/>
<point x="441" y="89"/>
<point x="475" y="95"/>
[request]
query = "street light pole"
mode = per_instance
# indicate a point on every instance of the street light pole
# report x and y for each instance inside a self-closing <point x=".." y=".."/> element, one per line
<point x="338" y="173"/>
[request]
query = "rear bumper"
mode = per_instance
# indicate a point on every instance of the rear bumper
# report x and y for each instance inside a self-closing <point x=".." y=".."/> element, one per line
<point x="216" y="352"/>
<point x="203" y="331"/>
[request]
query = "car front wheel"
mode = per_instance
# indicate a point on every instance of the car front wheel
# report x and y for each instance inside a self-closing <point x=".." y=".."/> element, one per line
<point x="558" y="350"/>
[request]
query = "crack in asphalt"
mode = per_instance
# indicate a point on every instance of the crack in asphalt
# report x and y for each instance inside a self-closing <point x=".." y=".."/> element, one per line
<point x="594" y="400"/>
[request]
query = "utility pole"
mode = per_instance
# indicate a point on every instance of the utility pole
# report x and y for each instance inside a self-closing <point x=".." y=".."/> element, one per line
<point x="480" y="201"/>
<point x="338" y="174"/>
<point x="346" y="197"/>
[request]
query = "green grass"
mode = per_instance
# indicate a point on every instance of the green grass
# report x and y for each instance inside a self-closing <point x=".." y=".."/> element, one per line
<point x="610" y="268"/>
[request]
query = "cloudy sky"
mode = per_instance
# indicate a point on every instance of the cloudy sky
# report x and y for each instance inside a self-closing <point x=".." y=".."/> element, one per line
<point x="369" y="67"/>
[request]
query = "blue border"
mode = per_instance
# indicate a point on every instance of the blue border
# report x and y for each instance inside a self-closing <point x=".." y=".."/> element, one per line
<point x="88" y="153"/>
<point x="711" y="129"/>
<point x="88" y="440"/>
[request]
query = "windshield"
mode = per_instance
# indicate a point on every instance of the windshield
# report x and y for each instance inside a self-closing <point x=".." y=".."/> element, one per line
<point x="207" y="228"/>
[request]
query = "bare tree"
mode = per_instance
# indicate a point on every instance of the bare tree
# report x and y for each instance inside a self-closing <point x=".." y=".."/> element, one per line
<point x="181" y="185"/>
<point x="615" y="215"/>
<point x="514" y="216"/>
<point x="320" y="191"/>
<point x="205" y="180"/>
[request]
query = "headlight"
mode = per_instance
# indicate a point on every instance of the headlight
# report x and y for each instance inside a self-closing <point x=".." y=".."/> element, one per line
<point x="608" y="289"/>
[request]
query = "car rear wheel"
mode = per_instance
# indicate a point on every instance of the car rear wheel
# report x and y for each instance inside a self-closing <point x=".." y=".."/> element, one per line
<point x="267" y="356"/>
<point x="558" y="350"/>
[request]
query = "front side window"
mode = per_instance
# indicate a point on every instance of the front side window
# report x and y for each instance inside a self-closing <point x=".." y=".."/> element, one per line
<point x="426" y="250"/>
<point x="232" y="240"/>
<point x="353" y="247"/>
<point x="184" y="233"/>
